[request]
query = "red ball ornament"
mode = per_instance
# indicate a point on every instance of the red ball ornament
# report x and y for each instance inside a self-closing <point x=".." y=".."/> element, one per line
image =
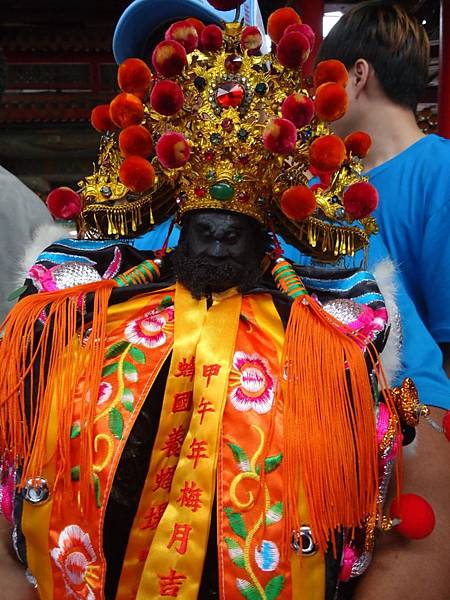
<point x="298" y="108"/>
<point x="63" y="203"/>
<point x="251" y="39"/>
<point x="358" y="143"/>
<point x="279" y="20"/>
<point x="211" y="38"/>
<point x="101" y="120"/>
<point x="137" y="174"/>
<point x="298" y="202"/>
<point x="185" y="33"/>
<point x="327" y="153"/>
<point x="416" y="515"/>
<point x="167" y="98"/>
<point x="360" y="200"/>
<point x="173" y="150"/>
<point x="304" y="29"/>
<point x="225" y="4"/>
<point x="446" y="425"/>
<point x="331" y="101"/>
<point x="280" y="136"/>
<point x="293" y="49"/>
<point x="135" y="140"/>
<point x="126" y="109"/>
<point x="169" y="58"/>
<point x="134" y="76"/>
<point x="199" y="25"/>
<point x="330" y="70"/>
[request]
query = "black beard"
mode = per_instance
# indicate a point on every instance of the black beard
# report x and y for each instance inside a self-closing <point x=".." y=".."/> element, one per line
<point x="201" y="277"/>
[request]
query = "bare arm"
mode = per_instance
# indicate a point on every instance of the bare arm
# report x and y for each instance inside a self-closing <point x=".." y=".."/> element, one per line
<point x="12" y="574"/>
<point x="417" y="569"/>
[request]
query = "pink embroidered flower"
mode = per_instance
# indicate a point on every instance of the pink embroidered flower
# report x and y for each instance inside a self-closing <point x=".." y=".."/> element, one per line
<point x="254" y="388"/>
<point x="150" y="330"/>
<point x="74" y="556"/>
<point x="104" y="392"/>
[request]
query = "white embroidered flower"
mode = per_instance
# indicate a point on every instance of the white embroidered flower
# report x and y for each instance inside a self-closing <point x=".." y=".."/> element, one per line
<point x="150" y="330"/>
<point x="255" y="387"/>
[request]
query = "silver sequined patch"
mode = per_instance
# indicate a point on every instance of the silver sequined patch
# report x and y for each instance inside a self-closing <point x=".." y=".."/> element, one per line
<point x="71" y="273"/>
<point x="361" y="564"/>
<point x="343" y="310"/>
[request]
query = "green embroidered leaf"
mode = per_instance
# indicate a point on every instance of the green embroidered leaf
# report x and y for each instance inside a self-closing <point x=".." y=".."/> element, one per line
<point x="115" y="422"/>
<point x="274" y="587"/>
<point x="236" y="553"/>
<point x="236" y="523"/>
<point x="248" y="590"/>
<point x="275" y="513"/>
<point x="75" y="473"/>
<point x="130" y="371"/>
<point x="137" y="355"/>
<point x="241" y="457"/>
<point x="97" y="490"/>
<point x="272" y="462"/>
<point x="165" y="302"/>
<point x="75" y="431"/>
<point x="116" y="349"/>
<point x="109" y="369"/>
<point x="128" y="400"/>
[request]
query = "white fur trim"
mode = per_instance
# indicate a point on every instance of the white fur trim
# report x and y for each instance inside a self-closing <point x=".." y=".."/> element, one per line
<point x="44" y="236"/>
<point x="385" y="276"/>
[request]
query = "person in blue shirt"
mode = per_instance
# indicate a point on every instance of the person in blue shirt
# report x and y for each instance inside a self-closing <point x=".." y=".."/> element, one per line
<point x="386" y="51"/>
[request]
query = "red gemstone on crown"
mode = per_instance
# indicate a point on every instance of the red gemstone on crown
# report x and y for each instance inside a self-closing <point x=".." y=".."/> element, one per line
<point x="229" y="94"/>
<point x="227" y="125"/>
<point x="244" y="197"/>
<point x="233" y="63"/>
<point x="200" y="192"/>
<point x="209" y="156"/>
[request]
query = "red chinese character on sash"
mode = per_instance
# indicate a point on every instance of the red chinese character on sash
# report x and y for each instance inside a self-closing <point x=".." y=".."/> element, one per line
<point x="174" y="441"/>
<point x="153" y="516"/>
<point x="180" y="535"/>
<point x="210" y="371"/>
<point x="204" y="407"/>
<point x="182" y="401"/>
<point x="170" y="584"/>
<point x="163" y="479"/>
<point x="186" y="369"/>
<point x="190" y="496"/>
<point x="198" y="451"/>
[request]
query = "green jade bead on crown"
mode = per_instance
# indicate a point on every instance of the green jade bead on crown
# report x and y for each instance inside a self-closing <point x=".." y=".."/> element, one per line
<point x="222" y="191"/>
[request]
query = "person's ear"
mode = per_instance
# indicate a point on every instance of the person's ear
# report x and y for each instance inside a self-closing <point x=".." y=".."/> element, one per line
<point x="359" y="75"/>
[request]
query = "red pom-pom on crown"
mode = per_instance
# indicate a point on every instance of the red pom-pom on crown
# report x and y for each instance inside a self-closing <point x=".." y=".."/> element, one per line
<point x="169" y="58"/>
<point x="135" y="140"/>
<point x="172" y="150"/>
<point x="298" y="108"/>
<point x="126" y="109"/>
<point x="280" y="136"/>
<point x="360" y="200"/>
<point x="327" y="153"/>
<point x="167" y="98"/>
<point x="63" y="203"/>
<point x="330" y="71"/>
<point x="251" y="39"/>
<point x="101" y="119"/>
<point x="331" y="101"/>
<point x="298" y="202"/>
<point x="137" y="174"/>
<point x="211" y="38"/>
<point x="305" y="30"/>
<point x="185" y="33"/>
<point x="358" y="143"/>
<point x="279" y="20"/>
<point x="293" y="50"/>
<point x="134" y="76"/>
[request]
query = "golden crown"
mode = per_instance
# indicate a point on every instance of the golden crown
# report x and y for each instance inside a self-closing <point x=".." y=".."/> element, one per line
<point x="218" y="125"/>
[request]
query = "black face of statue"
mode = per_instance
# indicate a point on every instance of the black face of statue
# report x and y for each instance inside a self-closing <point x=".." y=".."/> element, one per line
<point x="219" y="250"/>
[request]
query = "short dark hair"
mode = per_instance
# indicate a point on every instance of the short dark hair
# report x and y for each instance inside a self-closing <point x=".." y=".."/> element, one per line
<point x="391" y="40"/>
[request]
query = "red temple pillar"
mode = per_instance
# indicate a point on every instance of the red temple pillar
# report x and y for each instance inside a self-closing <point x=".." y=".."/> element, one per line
<point x="444" y="71"/>
<point x="311" y="12"/>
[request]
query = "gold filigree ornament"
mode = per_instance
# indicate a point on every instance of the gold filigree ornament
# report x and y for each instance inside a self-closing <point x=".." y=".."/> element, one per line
<point x="407" y="403"/>
<point x="229" y="96"/>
